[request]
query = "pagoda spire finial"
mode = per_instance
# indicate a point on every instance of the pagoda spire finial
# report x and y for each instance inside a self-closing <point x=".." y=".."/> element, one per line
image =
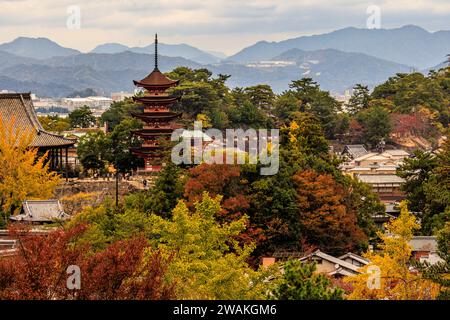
<point x="156" y="51"/>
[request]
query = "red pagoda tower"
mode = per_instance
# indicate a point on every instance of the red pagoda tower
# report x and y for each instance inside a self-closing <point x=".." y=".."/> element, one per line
<point x="159" y="120"/>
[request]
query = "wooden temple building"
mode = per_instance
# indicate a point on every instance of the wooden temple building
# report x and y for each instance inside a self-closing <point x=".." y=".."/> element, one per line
<point x="17" y="108"/>
<point x="158" y="119"/>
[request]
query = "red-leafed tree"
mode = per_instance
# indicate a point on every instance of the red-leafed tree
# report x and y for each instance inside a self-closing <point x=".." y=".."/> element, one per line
<point x="355" y="132"/>
<point x="414" y="124"/>
<point x="326" y="222"/>
<point x="124" y="270"/>
<point x="38" y="268"/>
<point x="225" y="180"/>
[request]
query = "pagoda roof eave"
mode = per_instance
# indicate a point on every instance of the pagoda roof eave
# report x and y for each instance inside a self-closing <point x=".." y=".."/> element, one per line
<point x="156" y="99"/>
<point x="150" y="148"/>
<point x="155" y="86"/>
<point x="156" y="79"/>
<point x="156" y="116"/>
<point x="143" y="153"/>
<point x="143" y="133"/>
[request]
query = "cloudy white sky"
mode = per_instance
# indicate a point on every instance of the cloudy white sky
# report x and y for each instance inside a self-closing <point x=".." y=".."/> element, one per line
<point x="221" y="25"/>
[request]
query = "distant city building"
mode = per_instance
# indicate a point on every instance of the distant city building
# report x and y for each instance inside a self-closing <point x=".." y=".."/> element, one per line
<point x="99" y="103"/>
<point x="45" y="103"/>
<point x="271" y="64"/>
<point x="343" y="98"/>
<point x="120" y="96"/>
<point x="49" y="107"/>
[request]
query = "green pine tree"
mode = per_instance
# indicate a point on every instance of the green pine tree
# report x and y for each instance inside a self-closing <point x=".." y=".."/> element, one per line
<point x="300" y="282"/>
<point x="359" y="100"/>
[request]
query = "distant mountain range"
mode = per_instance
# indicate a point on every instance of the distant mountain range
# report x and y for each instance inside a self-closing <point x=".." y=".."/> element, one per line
<point x="334" y="70"/>
<point x="169" y="50"/>
<point x="37" y="48"/>
<point x="409" y="45"/>
<point x="43" y="48"/>
<point x="60" y="76"/>
<point x="360" y="56"/>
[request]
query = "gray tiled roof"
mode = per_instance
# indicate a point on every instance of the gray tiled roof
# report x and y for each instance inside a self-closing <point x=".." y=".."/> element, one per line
<point x="355" y="150"/>
<point x="380" y="178"/>
<point x="424" y="243"/>
<point x="355" y="257"/>
<point x="40" y="211"/>
<point x="341" y="263"/>
<point x="397" y="152"/>
<point x="19" y="108"/>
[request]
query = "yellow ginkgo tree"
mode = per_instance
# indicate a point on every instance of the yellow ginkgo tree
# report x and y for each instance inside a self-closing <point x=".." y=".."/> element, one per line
<point x="390" y="276"/>
<point x="207" y="260"/>
<point x="23" y="173"/>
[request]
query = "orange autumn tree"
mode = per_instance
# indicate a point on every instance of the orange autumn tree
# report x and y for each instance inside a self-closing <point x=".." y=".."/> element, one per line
<point x="390" y="271"/>
<point x="224" y="180"/>
<point x="23" y="173"/>
<point x="326" y="222"/>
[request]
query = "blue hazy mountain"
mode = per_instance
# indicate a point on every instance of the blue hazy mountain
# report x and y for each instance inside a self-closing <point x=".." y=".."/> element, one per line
<point x="62" y="71"/>
<point x="37" y="48"/>
<point x="169" y="50"/>
<point x="60" y="76"/>
<point x="334" y="70"/>
<point x="409" y="45"/>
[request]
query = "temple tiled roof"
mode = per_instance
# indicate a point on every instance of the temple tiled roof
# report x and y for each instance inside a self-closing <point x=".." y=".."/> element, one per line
<point x="355" y="150"/>
<point x="381" y="179"/>
<point x="18" y="108"/>
<point x="156" y="79"/>
<point x="40" y="211"/>
<point x="423" y="243"/>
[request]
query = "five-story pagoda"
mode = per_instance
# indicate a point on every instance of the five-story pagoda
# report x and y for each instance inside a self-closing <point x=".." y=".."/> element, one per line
<point x="158" y="119"/>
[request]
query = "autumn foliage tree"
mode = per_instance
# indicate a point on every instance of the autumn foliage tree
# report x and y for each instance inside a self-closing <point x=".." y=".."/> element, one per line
<point x="208" y="261"/>
<point x="327" y="222"/>
<point x="24" y="173"/>
<point x="276" y="200"/>
<point x="397" y="280"/>
<point x="227" y="181"/>
<point x="126" y="269"/>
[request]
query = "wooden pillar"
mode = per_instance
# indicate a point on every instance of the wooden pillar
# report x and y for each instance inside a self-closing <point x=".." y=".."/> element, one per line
<point x="52" y="160"/>
<point x="55" y="157"/>
<point x="67" y="164"/>
<point x="61" y="160"/>
<point x="55" y="154"/>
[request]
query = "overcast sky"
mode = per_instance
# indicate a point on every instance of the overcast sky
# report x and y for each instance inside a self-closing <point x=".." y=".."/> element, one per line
<point x="221" y="25"/>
